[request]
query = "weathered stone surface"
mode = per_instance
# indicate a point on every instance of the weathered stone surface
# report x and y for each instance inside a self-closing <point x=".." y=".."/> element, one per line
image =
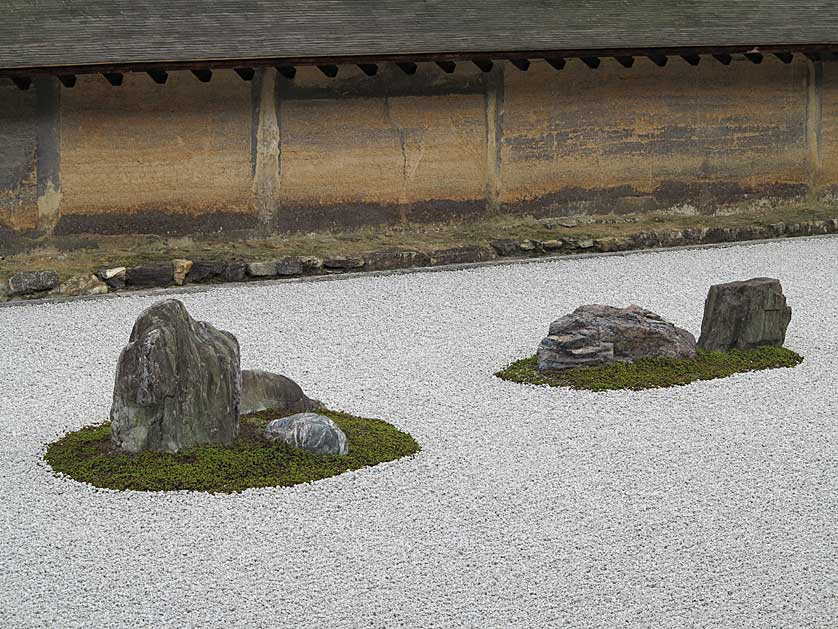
<point x="504" y="246"/>
<point x="82" y="285"/>
<point x="265" y="391"/>
<point x="113" y="277"/>
<point x="178" y="383"/>
<point x="317" y="434"/>
<point x="261" y="269"/>
<point x="234" y="271"/>
<point x="597" y="334"/>
<point x="180" y="269"/>
<point x="744" y="315"/>
<point x="203" y="271"/>
<point x="461" y="255"/>
<point x="150" y="276"/>
<point x="312" y="263"/>
<point x="289" y="266"/>
<point x="552" y="245"/>
<point x="341" y="263"/>
<point x="32" y="282"/>
<point x="388" y="260"/>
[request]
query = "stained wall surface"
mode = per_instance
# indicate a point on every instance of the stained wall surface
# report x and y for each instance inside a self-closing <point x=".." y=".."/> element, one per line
<point x="646" y="137"/>
<point x="18" y="146"/>
<point x="174" y="152"/>
<point x="317" y="153"/>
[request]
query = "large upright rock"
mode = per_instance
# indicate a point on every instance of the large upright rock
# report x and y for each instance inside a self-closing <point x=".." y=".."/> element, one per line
<point x="265" y="391"/>
<point x="596" y="335"/>
<point x="178" y="383"/>
<point x="744" y="315"/>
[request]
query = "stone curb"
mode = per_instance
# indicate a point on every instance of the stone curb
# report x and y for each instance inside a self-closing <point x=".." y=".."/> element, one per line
<point x="161" y="278"/>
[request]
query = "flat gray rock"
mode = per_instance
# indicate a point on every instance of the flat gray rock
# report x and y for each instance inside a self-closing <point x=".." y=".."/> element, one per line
<point x="266" y="391"/>
<point x="597" y="335"/>
<point x="177" y="383"/>
<point x="309" y="431"/>
<point x="743" y="315"/>
<point x="32" y="282"/>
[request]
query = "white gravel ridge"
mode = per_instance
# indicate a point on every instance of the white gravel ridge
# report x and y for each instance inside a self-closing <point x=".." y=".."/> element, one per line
<point x="714" y="504"/>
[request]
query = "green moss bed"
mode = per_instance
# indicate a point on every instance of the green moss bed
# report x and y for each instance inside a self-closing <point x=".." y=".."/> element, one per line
<point x="87" y="455"/>
<point x="653" y="373"/>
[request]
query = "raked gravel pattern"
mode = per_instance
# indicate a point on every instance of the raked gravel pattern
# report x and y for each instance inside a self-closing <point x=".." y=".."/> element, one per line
<point x="714" y="504"/>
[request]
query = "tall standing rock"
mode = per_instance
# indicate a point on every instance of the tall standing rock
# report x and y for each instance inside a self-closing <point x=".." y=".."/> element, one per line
<point x="743" y="315"/>
<point x="178" y="383"/>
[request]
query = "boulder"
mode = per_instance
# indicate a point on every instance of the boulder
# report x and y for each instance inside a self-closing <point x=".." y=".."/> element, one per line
<point x="204" y="270"/>
<point x="265" y="391"/>
<point x="178" y="383"/>
<point x="261" y="269"/>
<point x="309" y="431"/>
<point x="180" y="269"/>
<point x="744" y="315"/>
<point x="113" y="277"/>
<point x="597" y="335"/>
<point x="234" y="271"/>
<point x="85" y="284"/>
<point x="289" y="266"/>
<point x="150" y="275"/>
<point x="32" y="282"/>
<point x="341" y="263"/>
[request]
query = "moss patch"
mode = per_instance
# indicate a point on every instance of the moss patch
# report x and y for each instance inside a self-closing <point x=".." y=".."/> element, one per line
<point x="87" y="455"/>
<point x="653" y="373"/>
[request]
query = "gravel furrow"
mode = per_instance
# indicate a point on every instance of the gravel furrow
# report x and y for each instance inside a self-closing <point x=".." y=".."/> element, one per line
<point x="711" y="504"/>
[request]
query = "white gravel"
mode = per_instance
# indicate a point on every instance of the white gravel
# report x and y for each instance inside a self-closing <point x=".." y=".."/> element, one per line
<point x="712" y="504"/>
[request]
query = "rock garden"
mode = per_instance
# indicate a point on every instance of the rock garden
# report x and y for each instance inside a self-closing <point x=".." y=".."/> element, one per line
<point x="599" y="347"/>
<point x="186" y="417"/>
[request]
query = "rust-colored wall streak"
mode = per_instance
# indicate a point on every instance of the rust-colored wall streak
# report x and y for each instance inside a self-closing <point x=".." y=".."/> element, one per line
<point x="18" y="145"/>
<point x="380" y="159"/>
<point x="647" y="137"/>
<point x="182" y="147"/>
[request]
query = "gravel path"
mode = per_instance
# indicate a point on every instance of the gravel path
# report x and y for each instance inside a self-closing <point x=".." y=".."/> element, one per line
<point x="711" y="504"/>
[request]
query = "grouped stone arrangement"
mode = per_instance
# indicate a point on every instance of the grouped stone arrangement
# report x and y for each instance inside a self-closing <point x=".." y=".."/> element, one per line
<point x="179" y="385"/>
<point x="737" y="315"/>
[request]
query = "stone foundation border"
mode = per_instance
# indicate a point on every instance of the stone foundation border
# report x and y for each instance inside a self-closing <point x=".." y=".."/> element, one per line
<point x="188" y="275"/>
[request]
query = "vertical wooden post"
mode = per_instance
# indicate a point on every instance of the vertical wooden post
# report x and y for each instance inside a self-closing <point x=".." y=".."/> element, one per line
<point x="494" y="108"/>
<point x="266" y="142"/>
<point x="814" y="123"/>
<point x="48" y="151"/>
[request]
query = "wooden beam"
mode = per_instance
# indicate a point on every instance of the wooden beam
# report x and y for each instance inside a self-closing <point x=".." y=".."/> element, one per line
<point x="485" y="65"/>
<point x="754" y="57"/>
<point x="693" y="60"/>
<point x="370" y="69"/>
<point x="114" y="78"/>
<point x="447" y="66"/>
<point x="522" y="64"/>
<point x="330" y="70"/>
<point x="204" y="75"/>
<point x="68" y="80"/>
<point x="591" y="62"/>
<point x="626" y="62"/>
<point x="246" y="74"/>
<point x="557" y="62"/>
<point x="408" y="67"/>
<point x="658" y="60"/>
<point x="785" y="57"/>
<point x="289" y="72"/>
<point x="159" y="76"/>
<point x="724" y="59"/>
